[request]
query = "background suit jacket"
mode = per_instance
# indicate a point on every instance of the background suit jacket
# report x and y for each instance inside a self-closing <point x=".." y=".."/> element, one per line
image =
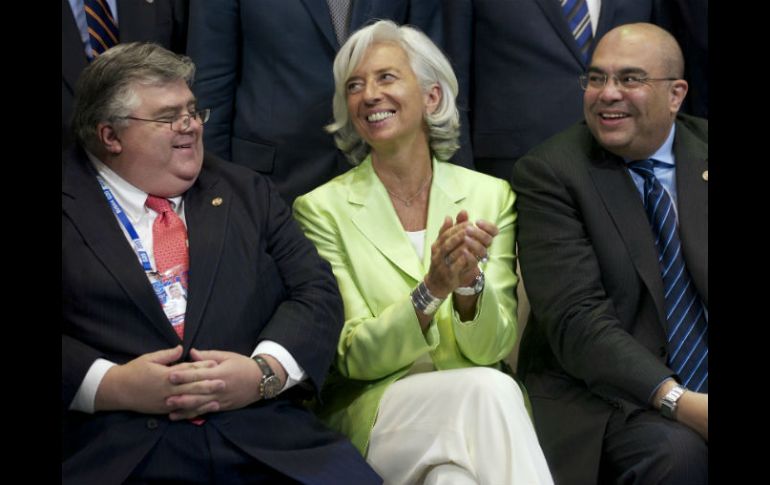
<point x="518" y="66"/>
<point x="253" y="276"/>
<point x="161" y="21"/>
<point x="265" y="69"/>
<point x="596" y="339"/>
<point x="687" y="20"/>
<point x="355" y="227"/>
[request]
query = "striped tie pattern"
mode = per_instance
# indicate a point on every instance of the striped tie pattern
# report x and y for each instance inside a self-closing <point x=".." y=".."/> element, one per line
<point x="102" y="30"/>
<point x="686" y="315"/>
<point x="169" y="243"/>
<point x="579" y="21"/>
<point x="340" y="12"/>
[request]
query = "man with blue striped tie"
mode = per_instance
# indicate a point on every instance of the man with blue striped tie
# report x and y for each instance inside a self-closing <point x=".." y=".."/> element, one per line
<point x="613" y="224"/>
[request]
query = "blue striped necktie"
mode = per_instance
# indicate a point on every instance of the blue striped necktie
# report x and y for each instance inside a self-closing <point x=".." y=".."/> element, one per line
<point x="579" y="21"/>
<point x="686" y="315"/>
<point x="102" y="30"/>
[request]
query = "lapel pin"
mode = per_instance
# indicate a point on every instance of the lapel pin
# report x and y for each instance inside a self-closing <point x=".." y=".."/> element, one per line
<point x="705" y="175"/>
<point x="216" y="201"/>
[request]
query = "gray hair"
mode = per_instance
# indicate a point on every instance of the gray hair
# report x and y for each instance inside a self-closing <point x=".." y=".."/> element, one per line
<point x="104" y="91"/>
<point x="429" y="64"/>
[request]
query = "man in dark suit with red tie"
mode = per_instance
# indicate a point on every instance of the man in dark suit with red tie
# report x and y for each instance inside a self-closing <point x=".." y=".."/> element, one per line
<point x="613" y="241"/>
<point x="211" y="394"/>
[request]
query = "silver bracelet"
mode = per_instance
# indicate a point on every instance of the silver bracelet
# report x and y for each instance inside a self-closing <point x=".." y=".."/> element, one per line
<point x="424" y="301"/>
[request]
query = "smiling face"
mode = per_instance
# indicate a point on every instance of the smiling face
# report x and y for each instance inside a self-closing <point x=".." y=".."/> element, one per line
<point x="385" y="101"/>
<point x="633" y="123"/>
<point x="150" y="155"/>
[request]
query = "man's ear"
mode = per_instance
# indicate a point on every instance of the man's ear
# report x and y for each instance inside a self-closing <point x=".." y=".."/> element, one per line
<point x="109" y="138"/>
<point x="678" y="93"/>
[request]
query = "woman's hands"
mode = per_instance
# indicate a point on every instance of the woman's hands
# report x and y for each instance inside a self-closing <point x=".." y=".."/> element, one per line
<point x="456" y="252"/>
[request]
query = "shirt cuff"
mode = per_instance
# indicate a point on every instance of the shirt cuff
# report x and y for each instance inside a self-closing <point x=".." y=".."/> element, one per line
<point x="654" y="391"/>
<point x="294" y="373"/>
<point x="86" y="396"/>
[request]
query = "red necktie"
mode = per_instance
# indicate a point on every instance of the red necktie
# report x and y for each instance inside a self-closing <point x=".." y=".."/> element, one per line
<point x="169" y="245"/>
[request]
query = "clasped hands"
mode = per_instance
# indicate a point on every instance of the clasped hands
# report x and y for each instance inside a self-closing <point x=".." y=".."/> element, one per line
<point x="213" y="381"/>
<point x="456" y="252"/>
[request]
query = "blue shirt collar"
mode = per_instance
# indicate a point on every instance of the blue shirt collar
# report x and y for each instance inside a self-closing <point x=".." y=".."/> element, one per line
<point x="665" y="153"/>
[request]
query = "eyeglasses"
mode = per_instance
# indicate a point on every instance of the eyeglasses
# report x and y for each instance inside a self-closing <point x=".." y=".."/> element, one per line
<point x="627" y="82"/>
<point x="180" y="122"/>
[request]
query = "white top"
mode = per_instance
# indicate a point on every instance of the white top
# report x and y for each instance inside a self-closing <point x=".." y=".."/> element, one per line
<point x="417" y="238"/>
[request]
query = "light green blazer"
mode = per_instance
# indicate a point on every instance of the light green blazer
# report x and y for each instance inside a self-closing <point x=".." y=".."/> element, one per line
<point x="353" y="224"/>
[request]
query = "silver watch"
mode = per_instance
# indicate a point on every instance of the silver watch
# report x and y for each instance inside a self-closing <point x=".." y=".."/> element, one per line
<point x="670" y="401"/>
<point x="475" y="289"/>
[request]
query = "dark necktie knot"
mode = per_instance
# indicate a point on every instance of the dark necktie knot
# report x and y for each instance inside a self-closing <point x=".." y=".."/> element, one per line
<point x="645" y="168"/>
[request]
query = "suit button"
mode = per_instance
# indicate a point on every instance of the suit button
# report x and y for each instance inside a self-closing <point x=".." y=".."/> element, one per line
<point x="152" y="423"/>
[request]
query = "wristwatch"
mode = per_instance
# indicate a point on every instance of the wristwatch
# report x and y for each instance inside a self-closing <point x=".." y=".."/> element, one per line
<point x="270" y="385"/>
<point x="474" y="289"/>
<point x="670" y="401"/>
<point x="424" y="301"/>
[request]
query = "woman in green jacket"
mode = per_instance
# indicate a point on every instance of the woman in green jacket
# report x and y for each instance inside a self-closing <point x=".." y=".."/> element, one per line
<point x="423" y="255"/>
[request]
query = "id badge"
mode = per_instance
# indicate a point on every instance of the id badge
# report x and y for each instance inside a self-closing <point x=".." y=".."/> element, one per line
<point x="172" y="295"/>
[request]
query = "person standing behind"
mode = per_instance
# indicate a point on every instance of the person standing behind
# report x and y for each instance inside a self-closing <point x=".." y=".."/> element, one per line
<point x="417" y="384"/>
<point x="687" y="20"/>
<point x="265" y="70"/>
<point x="207" y="390"/>
<point x="88" y="27"/>
<point x="613" y="243"/>
<point x="517" y="62"/>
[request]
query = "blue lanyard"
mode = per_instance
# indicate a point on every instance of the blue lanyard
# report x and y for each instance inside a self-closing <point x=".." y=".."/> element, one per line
<point x="118" y="211"/>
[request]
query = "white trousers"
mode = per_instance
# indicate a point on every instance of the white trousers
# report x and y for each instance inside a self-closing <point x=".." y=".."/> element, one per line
<point x="456" y="427"/>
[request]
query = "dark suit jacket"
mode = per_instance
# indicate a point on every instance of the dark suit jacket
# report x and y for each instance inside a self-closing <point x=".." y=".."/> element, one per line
<point x="161" y="21"/>
<point x="518" y="66"/>
<point x="596" y="340"/>
<point x="253" y="276"/>
<point x="687" y="20"/>
<point x="265" y="68"/>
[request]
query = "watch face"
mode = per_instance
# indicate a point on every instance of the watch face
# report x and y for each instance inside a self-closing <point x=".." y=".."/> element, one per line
<point x="479" y="285"/>
<point x="270" y="387"/>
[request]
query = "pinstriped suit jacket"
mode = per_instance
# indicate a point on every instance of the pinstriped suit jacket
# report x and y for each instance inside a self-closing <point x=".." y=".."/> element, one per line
<point x="253" y="276"/>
